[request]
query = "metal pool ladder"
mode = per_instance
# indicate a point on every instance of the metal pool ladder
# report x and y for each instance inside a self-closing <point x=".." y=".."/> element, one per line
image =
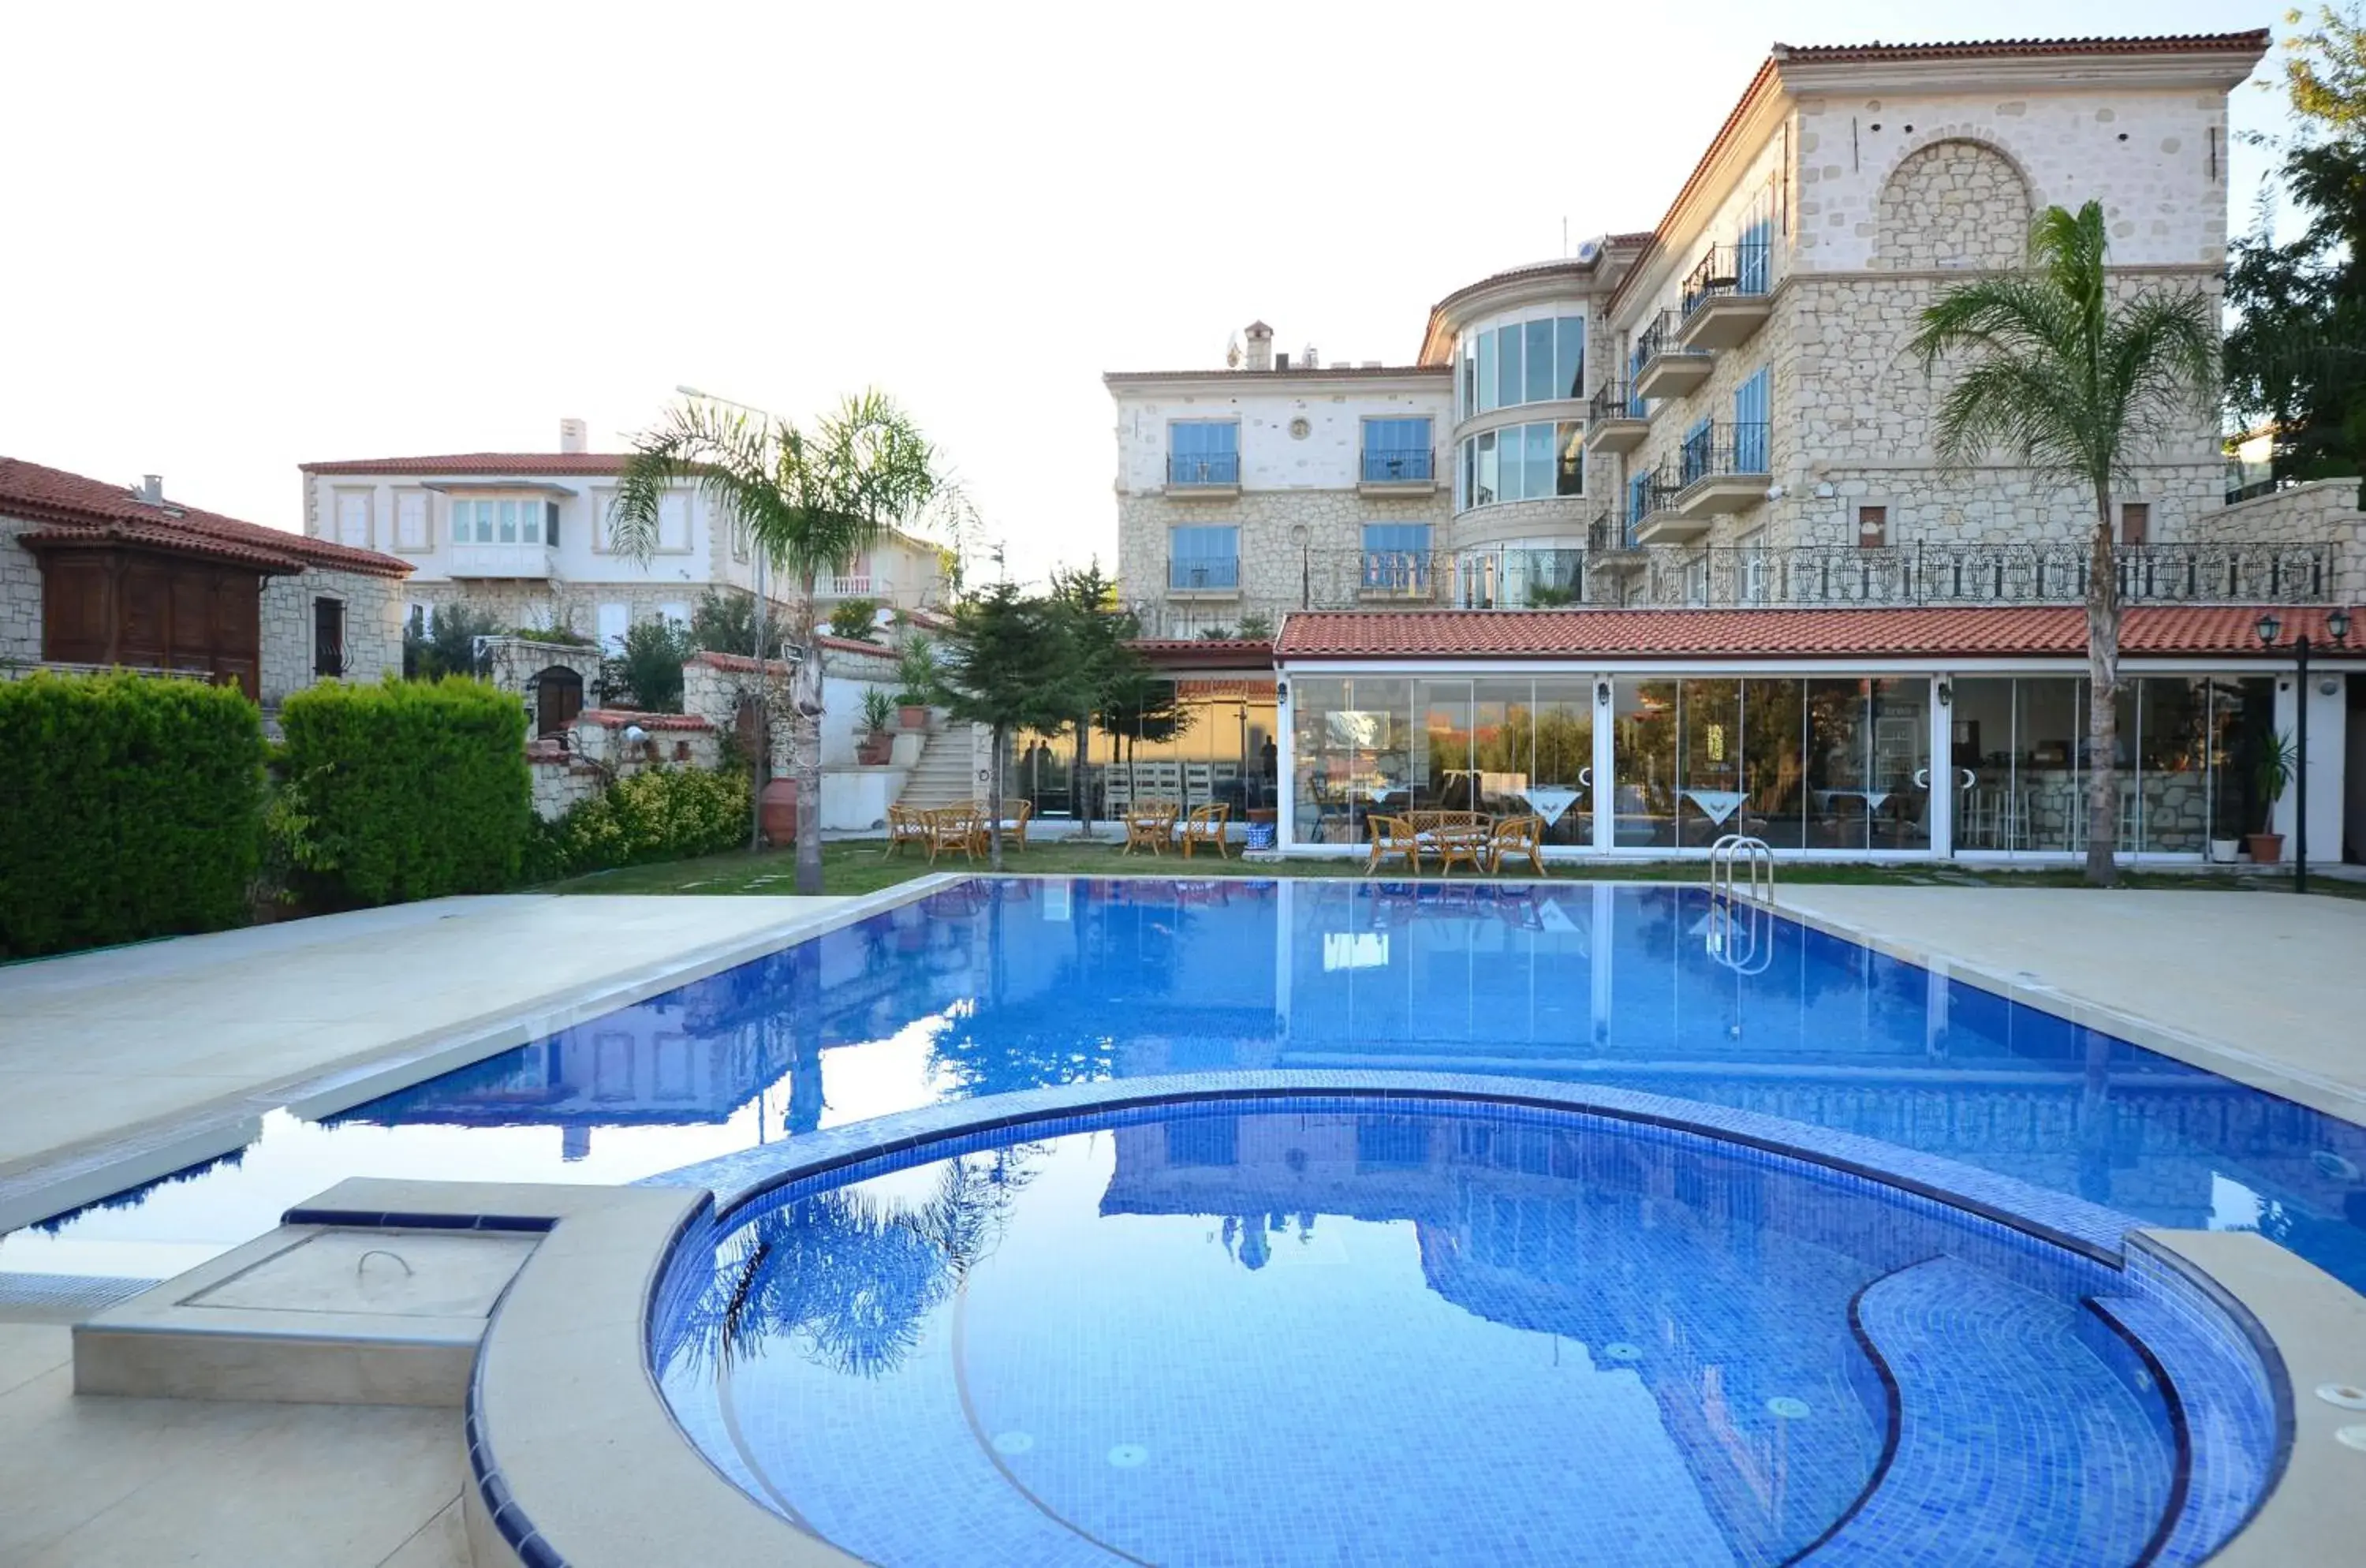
<point x="1741" y="903"/>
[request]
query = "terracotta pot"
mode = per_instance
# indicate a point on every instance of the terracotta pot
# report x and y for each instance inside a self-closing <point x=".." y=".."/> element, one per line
<point x="913" y="716"/>
<point x="874" y="750"/>
<point x="777" y="812"/>
<point x="2266" y="848"/>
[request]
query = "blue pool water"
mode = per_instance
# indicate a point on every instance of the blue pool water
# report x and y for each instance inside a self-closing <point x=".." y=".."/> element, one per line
<point x="995" y="985"/>
<point x="1363" y="1330"/>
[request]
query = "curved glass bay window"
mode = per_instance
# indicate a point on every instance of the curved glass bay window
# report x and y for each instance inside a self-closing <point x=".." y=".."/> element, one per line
<point x="1531" y="356"/>
<point x="1520" y="462"/>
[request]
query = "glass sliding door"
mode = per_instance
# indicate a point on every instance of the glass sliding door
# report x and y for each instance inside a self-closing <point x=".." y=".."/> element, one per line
<point x="1708" y="761"/>
<point x="1839" y="804"/>
<point x="1990" y="813"/>
<point x="1898" y="808"/>
<point x="1645" y="798"/>
<point x="1351" y="753"/>
<point x="1441" y="779"/>
<point x="1563" y="791"/>
<point x="2049" y="738"/>
<point x="1503" y="745"/>
<point x="1773" y="761"/>
<point x="2172" y="783"/>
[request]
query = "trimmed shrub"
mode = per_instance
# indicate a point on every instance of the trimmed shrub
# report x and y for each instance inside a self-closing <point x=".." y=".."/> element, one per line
<point x="662" y="814"/>
<point x="405" y="790"/>
<point x="133" y="808"/>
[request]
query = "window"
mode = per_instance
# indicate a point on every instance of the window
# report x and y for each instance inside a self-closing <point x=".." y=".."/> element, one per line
<point x="504" y="522"/>
<point x="1204" y="558"/>
<point x="328" y="637"/>
<point x="411" y="520"/>
<point x="354" y="518"/>
<point x="1570" y="437"/>
<point x="1396" y="557"/>
<point x="2135" y="522"/>
<point x="1530" y="360"/>
<point x="1523" y="462"/>
<point x="1486" y="371"/>
<point x="676" y="611"/>
<point x="1750" y="401"/>
<point x="1694" y="458"/>
<point x="674" y="522"/>
<point x="550" y="522"/>
<point x="1754" y="568"/>
<point x="1396" y="449"/>
<point x="1872" y="527"/>
<point x="1203" y="452"/>
<point x="614" y="621"/>
<point x="1638" y="502"/>
<point x="1467" y="389"/>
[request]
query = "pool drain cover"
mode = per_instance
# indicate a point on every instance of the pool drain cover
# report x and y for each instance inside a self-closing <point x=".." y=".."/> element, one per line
<point x="1788" y="1408"/>
<point x="1619" y="1350"/>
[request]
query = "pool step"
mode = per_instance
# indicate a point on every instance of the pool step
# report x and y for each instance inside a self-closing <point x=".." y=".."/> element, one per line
<point x="2016" y="1443"/>
<point x="310" y="1315"/>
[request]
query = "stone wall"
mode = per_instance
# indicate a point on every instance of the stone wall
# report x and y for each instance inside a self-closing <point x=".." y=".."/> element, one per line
<point x="373" y="627"/>
<point x="2327" y="512"/>
<point x="515" y="663"/>
<point x="20" y="596"/>
<point x="1953" y="204"/>
<point x="1271" y="561"/>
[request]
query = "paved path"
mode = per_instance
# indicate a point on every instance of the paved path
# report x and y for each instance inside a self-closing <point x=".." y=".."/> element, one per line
<point x="2262" y="988"/>
<point x="122" y="1049"/>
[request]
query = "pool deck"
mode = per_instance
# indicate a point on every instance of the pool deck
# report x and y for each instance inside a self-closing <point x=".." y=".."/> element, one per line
<point x="2268" y="990"/>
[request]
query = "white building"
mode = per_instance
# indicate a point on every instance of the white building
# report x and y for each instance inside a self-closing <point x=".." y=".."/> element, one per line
<point x="524" y="536"/>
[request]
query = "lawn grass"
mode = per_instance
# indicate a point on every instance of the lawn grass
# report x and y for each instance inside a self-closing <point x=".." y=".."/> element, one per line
<point x="854" y="866"/>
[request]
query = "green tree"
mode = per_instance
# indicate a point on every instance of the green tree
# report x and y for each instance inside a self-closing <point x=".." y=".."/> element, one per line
<point x="646" y="673"/>
<point x="1010" y="665"/>
<point x="856" y="620"/>
<point x="724" y="621"/>
<point x="444" y="642"/>
<point x="1101" y="632"/>
<point x="1140" y="704"/>
<point x="2074" y="384"/>
<point x="811" y="500"/>
<point x="2296" y="355"/>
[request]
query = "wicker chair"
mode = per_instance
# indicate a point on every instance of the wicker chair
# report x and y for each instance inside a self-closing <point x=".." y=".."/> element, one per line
<point x="1149" y="824"/>
<point x="1205" y="825"/>
<point x="1013" y="825"/>
<point x="1517" y="837"/>
<point x="1392" y="836"/>
<point x="955" y="828"/>
<point x="907" y="825"/>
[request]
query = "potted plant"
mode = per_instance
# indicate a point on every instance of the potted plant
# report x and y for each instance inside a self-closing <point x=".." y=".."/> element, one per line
<point x="2272" y="770"/>
<point x="877" y="745"/>
<point x="915" y="668"/>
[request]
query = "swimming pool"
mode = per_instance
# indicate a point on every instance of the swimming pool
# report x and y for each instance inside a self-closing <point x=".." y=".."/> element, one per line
<point x="996" y="985"/>
<point x="1424" y="1325"/>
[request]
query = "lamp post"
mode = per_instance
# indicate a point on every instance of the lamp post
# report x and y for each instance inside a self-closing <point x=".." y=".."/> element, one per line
<point x="2337" y="626"/>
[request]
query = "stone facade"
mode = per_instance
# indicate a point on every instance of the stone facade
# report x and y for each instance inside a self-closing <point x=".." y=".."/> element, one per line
<point x="373" y="628"/>
<point x="1272" y="564"/>
<point x="2325" y="513"/>
<point x="20" y="598"/>
<point x="1958" y="203"/>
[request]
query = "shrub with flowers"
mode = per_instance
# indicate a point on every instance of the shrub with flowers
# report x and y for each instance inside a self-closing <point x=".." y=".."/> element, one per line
<point x="659" y="815"/>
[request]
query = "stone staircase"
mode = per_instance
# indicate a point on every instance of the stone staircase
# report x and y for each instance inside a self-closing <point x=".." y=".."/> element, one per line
<point x="941" y="776"/>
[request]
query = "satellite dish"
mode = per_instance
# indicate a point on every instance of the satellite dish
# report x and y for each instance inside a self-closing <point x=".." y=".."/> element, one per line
<point x="1588" y="249"/>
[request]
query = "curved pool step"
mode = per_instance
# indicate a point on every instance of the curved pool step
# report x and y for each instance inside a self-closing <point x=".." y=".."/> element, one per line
<point x="2015" y="1441"/>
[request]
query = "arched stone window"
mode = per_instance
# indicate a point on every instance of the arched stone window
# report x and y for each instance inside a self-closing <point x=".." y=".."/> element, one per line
<point x="1956" y="203"/>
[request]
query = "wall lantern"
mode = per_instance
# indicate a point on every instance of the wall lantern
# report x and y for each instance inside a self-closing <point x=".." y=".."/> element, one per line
<point x="1602" y="694"/>
<point x="1946" y="692"/>
<point x="1281" y="690"/>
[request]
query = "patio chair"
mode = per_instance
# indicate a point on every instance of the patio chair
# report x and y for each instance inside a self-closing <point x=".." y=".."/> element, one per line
<point x="1392" y="836"/>
<point x="954" y="828"/>
<point x="1013" y="827"/>
<point x="906" y="824"/>
<point x="1149" y="824"/>
<point x="1517" y="837"/>
<point x="1461" y="843"/>
<point x="1205" y="825"/>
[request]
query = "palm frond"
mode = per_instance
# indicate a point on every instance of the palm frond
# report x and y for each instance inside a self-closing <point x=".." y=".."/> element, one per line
<point x="2016" y="315"/>
<point x="721" y="450"/>
<point x="2160" y="368"/>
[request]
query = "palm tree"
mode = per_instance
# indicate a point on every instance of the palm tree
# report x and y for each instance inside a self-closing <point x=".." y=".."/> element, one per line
<point x="812" y="502"/>
<point x="2073" y="384"/>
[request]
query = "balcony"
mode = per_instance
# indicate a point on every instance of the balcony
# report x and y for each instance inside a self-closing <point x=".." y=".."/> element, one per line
<point x="1665" y="367"/>
<point x="1204" y="577"/>
<point x="2054" y="574"/>
<point x="1616" y="419"/>
<point x="511" y="562"/>
<point x="1397" y="473"/>
<point x="1211" y="475"/>
<point x="1658" y="520"/>
<point x="1397" y="577"/>
<point x="857" y="585"/>
<point x="1610" y="539"/>
<point x="1721" y="469"/>
<point x="1724" y="297"/>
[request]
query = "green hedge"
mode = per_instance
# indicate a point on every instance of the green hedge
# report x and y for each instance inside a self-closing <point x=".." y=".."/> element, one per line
<point x="662" y="814"/>
<point x="406" y="789"/>
<point x="133" y="808"/>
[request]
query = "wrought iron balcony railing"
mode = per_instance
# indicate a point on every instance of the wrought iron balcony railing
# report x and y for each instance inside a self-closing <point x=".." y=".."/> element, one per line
<point x="1657" y="339"/>
<point x="1204" y="574"/>
<point x="1203" y="468"/>
<point x="1982" y="574"/>
<point x="1726" y="271"/>
<point x="1399" y="467"/>
<point x="1716" y="450"/>
<point x="1614" y="399"/>
<point x="1397" y="574"/>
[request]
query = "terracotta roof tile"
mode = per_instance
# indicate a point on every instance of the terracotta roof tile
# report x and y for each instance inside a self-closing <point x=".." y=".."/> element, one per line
<point x="1617" y="635"/>
<point x="75" y="508"/>
<point x="472" y="464"/>
<point x="2005" y="48"/>
<point x="618" y="719"/>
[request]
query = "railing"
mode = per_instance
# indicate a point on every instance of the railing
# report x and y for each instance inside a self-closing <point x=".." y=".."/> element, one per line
<point x="1513" y="579"/>
<point x="2253" y="490"/>
<point x="1399" y="467"/>
<point x="1614" y="399"/>
<point x="1611" y="534"/>
<point x="861" y="585"/>
<point x="1396" y="574"/>
<point x="1721" y="449"/>
<point x="1203" y="468"/>
<point x="1727" y="272"/>
<point x="1982" y="574"/>
<point x="1204" y="574"/>
<point x="1657" y="339"/>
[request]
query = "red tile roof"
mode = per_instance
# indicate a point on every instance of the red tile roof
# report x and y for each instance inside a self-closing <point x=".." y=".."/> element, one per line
<point x="619" y="719"/>
<point x="1204" y="653"/>
<point x="1984" y="631"/>
<point x="480" y="463"/>
<point x="76" y="510"/>
<point x="2255" y="38"/>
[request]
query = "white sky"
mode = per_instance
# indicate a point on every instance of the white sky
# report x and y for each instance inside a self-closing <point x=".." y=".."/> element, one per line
<point x="237" y="238"/>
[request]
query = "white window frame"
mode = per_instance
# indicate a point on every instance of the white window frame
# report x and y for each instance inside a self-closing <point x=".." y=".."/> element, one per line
<point x="368" y="496"/>
<point x="406" y="495"/>
<point x="533" y="503"/>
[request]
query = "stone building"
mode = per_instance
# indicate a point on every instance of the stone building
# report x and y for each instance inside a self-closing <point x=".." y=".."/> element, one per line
<point x="524" y="537"/>
<point x="94" y="575"/>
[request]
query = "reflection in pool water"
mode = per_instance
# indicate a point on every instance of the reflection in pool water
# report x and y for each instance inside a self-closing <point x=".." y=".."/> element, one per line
<point x="1013" y="985"/>
<point x="1367" y="1331"/>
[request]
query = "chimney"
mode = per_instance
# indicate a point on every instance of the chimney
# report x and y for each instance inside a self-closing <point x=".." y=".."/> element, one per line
<point x="574" y="435"/>
<point x="1310" y="360"/>
<point x="152" y="489"/>
<point x="1260" y="338"/>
